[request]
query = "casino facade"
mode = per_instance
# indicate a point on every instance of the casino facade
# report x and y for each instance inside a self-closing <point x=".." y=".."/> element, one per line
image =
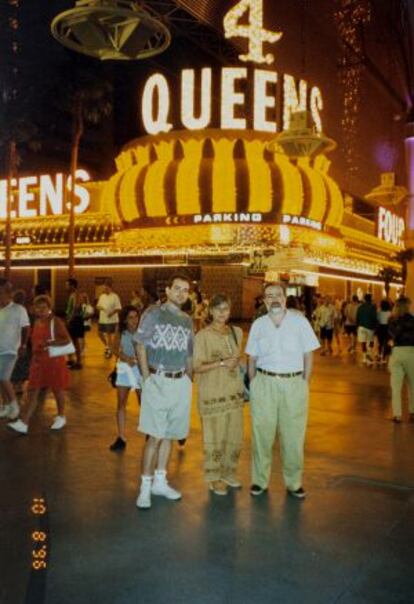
<point x="205" y="193"/>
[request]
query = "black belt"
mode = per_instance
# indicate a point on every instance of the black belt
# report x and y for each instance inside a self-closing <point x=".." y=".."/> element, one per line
<point x="280" y="375"/>
<point x="174" y="375"/>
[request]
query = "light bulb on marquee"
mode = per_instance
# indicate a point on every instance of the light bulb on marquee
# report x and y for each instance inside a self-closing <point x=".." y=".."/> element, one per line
<point x="254" y="31"/>
<point x="43" y="195"/>
<point x="231" y="98"/>
<point x="158" y="105"/>
<point x="155" y="117"/>
<point x="292" y="101"/>
<point x="316" y="106"/>
<point x="188" y="118"/>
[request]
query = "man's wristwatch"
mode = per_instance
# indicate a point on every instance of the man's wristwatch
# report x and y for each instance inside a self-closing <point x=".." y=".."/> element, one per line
<point x="221" y="363"/>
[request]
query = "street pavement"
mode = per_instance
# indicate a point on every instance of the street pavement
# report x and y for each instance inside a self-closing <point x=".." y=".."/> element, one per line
<point x="70" y="531"/>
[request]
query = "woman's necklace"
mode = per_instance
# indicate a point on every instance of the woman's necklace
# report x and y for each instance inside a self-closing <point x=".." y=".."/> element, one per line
<point x="223" y="329"/>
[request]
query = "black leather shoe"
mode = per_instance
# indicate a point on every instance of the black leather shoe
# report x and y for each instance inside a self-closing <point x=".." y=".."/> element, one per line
<point x="118" y="445"/>
<point x="299" y="493"/>
<point x="255" y="490"/>
<point x="75" y="366"/>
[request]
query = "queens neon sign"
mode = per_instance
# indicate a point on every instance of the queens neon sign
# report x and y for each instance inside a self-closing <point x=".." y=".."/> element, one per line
<point x="44" y="195"/>
<point x="274" y="94"/>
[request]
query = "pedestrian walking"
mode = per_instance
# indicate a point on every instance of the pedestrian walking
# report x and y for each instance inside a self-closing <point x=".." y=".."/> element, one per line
<point x="383" y="318"/>
<point x="87" y="314"/>
<point x="280" y="346"/>
<point x="326" y="315"/>
<point x="367" y="322"/>
<point x="14" y="334"/>
<point x="217" y="351"/>
<point x="46" y="372"/>
<point x="128" y="376"/>
<point x="401" y="364"/>
<point x="350" y="322"/>
<point x="109" y="306"/>
<point x="20" y="373"/>
<point x="165" y="350"/>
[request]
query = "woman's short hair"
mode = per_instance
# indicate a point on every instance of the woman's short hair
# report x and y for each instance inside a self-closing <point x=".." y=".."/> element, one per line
<point x="42" y="299"/>
<point x="218" y="299"/>
<point x="402" y="307"/>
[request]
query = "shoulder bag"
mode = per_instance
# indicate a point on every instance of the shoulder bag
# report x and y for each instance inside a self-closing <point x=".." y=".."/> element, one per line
<point x="59" y="351"/>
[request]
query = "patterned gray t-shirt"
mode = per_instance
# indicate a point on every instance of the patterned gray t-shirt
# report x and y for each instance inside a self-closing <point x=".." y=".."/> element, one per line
<point x="167" y="334"/>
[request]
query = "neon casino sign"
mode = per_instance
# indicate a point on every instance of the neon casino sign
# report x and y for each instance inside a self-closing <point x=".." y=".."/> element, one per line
<point x="390" y="227"/>
<point x="44" y="195"/>
<point x="273" y="93"/>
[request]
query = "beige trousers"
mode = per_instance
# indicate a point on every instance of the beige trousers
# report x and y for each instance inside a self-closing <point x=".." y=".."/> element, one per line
<point x="401" y="365"/>
<point x="278" y="406"/>
<point x="222" y="439"/>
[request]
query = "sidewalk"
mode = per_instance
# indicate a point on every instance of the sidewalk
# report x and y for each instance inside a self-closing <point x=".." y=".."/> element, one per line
<point x="350" y="542"/>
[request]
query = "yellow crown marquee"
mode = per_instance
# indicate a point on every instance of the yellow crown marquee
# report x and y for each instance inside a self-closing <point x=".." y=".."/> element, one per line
<point x="184" y="178"/>
<point x="211" y="191"/>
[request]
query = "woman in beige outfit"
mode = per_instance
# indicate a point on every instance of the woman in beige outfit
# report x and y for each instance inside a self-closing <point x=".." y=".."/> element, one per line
<point x="217" y="351"/>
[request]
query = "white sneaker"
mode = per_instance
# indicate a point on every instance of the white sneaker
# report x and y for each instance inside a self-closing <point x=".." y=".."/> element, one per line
<point x="14" y="410"/>
<point x="59" y="423"/>
<point x="4" y="411"/>
<point x="161" y="487"/>
<point x="18" y="426"/>
<point x="144" y="497"/>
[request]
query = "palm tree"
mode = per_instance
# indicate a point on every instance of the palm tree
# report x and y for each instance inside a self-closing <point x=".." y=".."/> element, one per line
<point x="83" y="92"/>
<point x="388" y="275"/>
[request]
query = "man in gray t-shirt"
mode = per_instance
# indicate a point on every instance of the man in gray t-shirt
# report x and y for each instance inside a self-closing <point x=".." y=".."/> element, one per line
<point x="165" y="347"/>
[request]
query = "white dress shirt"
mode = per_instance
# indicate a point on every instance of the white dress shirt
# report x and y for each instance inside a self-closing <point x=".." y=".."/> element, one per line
<point x="281" y="349"/>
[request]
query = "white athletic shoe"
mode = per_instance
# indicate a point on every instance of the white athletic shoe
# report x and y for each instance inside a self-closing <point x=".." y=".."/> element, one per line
<point x="18" y="426"/>
<point x="161" y="487"/>
<point x="59" y="423"/>
<point x="144" y="496"/>
<point x="14" y="410"/>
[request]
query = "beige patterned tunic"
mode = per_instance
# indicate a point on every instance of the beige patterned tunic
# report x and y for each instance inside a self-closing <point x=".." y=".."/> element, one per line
<point x="220" y="390"/>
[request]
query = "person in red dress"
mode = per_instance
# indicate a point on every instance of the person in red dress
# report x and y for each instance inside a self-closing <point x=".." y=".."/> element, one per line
<point x="45" y="372"/>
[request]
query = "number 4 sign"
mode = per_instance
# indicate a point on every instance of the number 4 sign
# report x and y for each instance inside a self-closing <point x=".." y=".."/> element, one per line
<point x="253" y="30"/>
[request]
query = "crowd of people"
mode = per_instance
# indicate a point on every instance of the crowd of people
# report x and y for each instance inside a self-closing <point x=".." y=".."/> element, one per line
<point x="162" y="347"/>
<point x="387" y="329"/>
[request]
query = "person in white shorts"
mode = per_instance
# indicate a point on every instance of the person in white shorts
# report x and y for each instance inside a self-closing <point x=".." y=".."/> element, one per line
<point x="165" y="349"/>
<point x="109" y="307"/>
<point x="14" y="333"/>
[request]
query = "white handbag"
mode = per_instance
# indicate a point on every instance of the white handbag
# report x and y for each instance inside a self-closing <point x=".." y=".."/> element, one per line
<point x="59" y="351"/>
<point x="123" y="367"/>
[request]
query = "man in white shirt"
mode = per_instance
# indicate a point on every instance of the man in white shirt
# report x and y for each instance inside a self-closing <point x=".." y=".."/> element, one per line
<point x="14" y="333"/>
<point x="280" y="346"/>
<point x="109" y="306"/>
